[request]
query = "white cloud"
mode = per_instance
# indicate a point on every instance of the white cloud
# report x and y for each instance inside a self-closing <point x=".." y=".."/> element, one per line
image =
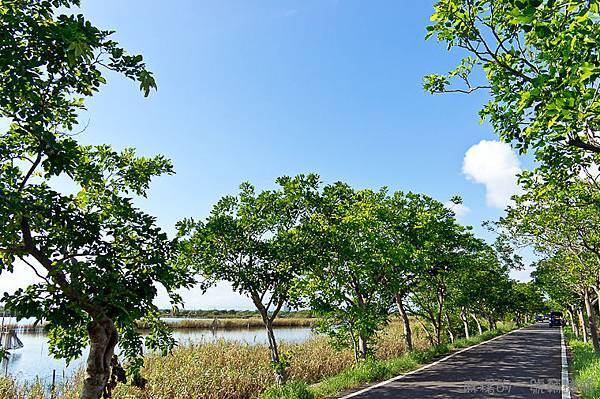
<point x="495" y="165"/>
<point x="459" y="210"/>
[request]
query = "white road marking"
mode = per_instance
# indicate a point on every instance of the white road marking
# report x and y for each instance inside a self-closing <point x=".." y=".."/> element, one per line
<point x="401" y="376"/>
<point x="566" y="391"/>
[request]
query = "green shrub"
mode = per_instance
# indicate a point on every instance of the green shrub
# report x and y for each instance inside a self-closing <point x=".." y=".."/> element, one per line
<point x="290" y="390"/>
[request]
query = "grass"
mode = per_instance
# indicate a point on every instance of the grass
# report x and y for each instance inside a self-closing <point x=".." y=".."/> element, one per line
<point x="241" y="371"/>
<point x="10" y="389"/>
<point x="585" y="367"/>
<point x="232" y="324"/>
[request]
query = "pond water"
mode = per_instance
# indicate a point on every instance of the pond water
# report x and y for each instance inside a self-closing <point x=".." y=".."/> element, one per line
<point x="34" y="362"/>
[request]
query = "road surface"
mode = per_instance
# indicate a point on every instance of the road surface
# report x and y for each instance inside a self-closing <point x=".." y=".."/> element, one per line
<point x="523" y="364"/>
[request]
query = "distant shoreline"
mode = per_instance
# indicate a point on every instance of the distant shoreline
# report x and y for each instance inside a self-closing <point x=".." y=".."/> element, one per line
<point x="183" y="323"/>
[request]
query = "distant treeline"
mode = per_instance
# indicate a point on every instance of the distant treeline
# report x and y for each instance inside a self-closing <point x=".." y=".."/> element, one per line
<point x="233" y="314"/>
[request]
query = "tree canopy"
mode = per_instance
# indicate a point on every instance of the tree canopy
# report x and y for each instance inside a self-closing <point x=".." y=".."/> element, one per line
<point x="538" y="61"/>
<point x="98" y="257"/>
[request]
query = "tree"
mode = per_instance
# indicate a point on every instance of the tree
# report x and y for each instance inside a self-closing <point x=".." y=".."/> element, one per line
<point x="480" y="287"/>
<point x="251" y="241"/>
<point x="98" y="257"/>
<point x="346" y="283"/>
<point x="412" y="223"/>
<point x="538" y="60"/>
<point x="562" y="223"/>
<point x="526" y="301"/>
<point x="560" y="288"/>
<point x="447" y="248"/>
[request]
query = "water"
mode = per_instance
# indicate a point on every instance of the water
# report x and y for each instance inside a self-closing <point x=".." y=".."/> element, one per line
<point x="33" y="360"/>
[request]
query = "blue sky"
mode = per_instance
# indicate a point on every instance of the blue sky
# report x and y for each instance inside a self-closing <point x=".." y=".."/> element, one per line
<point x="255" y="90"/>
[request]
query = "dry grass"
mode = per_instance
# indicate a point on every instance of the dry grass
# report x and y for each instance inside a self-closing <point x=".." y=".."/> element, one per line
<point x="232" y="324"/>
<point x="237" y="371"/>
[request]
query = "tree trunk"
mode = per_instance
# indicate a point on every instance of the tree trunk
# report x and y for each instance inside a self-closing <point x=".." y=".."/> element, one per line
<point x="437" y="332"/>
<point x="479" y="329"/>
<point x="438" y="319"/>
<point x="583" y="326"/>
<point x="429" y="336"/>
<point x="103" y="339"/>
<point x="449" y="328"/>
<point x="354" y="345"/>
<point x="491" y="322"/>
<point x="591" y="321"/>
<point x="574" y="327"/>
<point x="405" y="322"/>
<point x="280" y="374"/>
<point x="363" y="350"/>
<point x="463" y="317"/>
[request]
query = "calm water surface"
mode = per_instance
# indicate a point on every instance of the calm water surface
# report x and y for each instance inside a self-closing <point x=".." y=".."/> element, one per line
<point x="33" y="360"/>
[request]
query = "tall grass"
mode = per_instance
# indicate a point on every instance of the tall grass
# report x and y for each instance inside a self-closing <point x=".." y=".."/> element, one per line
<point x="232" y="324"/>
<point x="585" y="365"/>
<point x="233" y="370"/>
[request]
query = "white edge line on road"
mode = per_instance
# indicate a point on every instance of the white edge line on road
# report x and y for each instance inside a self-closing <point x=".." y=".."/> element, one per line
<point x="566" y="391"/>
<point x="401" y="376"/>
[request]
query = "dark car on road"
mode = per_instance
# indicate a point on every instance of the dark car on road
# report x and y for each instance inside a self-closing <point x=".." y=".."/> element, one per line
<point x="556" y="319"/>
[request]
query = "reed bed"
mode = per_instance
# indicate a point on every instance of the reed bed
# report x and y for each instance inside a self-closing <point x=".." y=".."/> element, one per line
<point x="232" y="324"/>
<point x="241" y="371"/>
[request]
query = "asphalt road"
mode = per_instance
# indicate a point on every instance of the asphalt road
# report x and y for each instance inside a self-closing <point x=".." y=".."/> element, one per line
<point x="523" y="364"/>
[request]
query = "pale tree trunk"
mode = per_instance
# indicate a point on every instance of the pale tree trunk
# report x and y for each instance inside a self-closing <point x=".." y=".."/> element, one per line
<point x="479" y="329"/>
<point x="583" y="326"/>
<point x="463" y="317"/>
<point x="591" y="321"/>
<point x="429" y="336"/>
<point x="279" y="370"/>
<point x="437" y="332"/>
<point x="103" y="339"/>
<point x="405" y="322"/>
<point x="574" y="327"/>
<point x="438" y="319"/>
<point x="449" y="328"/>
<point x="354" y="345"/>
<point x="274" y="351"/>
<point x="363" y="350"/>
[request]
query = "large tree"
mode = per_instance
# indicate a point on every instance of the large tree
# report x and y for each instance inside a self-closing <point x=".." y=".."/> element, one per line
<point x="445" y="249"/>
<point x="251" y="240"/>
<point x="99" y="259"/>
<point x="562" y="224"/>
<point x="347" y="281"/>
<point x="538" y="61"/>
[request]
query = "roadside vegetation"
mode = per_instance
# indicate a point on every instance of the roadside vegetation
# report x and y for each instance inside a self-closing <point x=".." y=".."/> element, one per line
<point x="585" y="367"/>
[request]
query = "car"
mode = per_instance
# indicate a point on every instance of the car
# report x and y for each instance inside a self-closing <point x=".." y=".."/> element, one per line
<point x="539" y="318"/>
<point x="556" y="319"/>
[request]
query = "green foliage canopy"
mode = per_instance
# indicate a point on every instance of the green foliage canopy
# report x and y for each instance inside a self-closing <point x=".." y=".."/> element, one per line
<point x="539" y="62"/>
<point x="98" y="257"/>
